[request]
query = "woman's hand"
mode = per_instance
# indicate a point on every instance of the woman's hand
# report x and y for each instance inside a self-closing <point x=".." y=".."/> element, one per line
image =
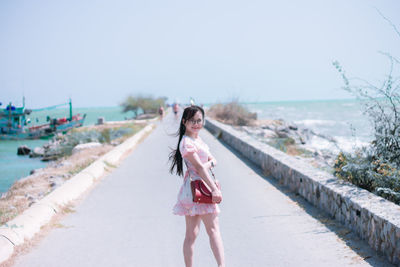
<point x="216" y="196"/>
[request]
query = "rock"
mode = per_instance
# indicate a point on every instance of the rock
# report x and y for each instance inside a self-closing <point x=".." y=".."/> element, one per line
<point x="23" y="150"/>
<point x="65" y="163"/>
<point x="298" y="137"/>
<point x="100" y="120"/>
<point x="81" y="147"/>
<point x="56" y="181"/>
<point x="50" y="157"/>
<point x="267" y="127"/>
<point x="282" y="129"/>
<point x="281" y="134"/>
<point x="115" y="143"/>
<point x="267" y="133"/>
<point x="293" y="127"/>
<point x="30" y="197"/>
<point x="37" y="152"/>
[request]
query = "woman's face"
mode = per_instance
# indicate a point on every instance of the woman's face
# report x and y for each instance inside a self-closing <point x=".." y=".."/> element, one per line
<point x="194" y="124"/>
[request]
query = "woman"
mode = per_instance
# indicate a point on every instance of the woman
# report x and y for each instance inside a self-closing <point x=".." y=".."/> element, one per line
<point x="198" y="161"/>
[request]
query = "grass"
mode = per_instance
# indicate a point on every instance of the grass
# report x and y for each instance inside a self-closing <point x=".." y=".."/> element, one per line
<point x="288" y="145"/>
<point x="110" y="165"/>
<point x="79" y="167"/>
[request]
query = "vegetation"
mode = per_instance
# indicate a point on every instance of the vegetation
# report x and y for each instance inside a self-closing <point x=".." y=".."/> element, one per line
<point x="232" y="113"/>
<point x="146" y="104"/>
<point x="288" y="145"/>
<point x="65" y="143"/>
<point x="376" y="167"/>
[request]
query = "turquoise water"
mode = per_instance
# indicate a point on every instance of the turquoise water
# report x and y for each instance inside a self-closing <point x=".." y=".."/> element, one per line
<point x="14" y="167"/>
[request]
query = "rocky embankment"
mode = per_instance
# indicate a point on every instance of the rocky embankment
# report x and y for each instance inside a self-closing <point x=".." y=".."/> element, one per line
<point x="303" y="143"/>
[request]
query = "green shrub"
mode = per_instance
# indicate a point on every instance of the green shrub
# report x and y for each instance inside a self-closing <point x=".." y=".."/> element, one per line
<point x="376" y="167"/>
<point x="232" y="113"/>
<point x="377" y="176"/>
<point x="147" y="104"/>
<point x="105" y="136"/>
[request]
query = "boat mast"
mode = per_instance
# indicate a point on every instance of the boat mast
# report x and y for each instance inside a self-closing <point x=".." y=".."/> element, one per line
<point x="9" y="117"/>
<point x="70" y="109"/>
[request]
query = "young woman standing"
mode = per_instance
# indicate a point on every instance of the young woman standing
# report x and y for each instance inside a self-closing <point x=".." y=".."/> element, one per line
<point x="198" y="159"/>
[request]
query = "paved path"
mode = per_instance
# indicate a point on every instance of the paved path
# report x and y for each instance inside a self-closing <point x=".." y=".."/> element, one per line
<point x="127" y="221"/>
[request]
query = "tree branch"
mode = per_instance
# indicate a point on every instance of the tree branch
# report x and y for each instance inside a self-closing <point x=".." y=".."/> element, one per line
<point x="389" y="21"/>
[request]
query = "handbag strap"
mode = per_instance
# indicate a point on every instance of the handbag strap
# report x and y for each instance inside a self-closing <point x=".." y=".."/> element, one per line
<point x="212" y="173"/>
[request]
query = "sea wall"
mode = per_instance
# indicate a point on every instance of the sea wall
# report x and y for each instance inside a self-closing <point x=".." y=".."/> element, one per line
<point x="373" y="218"/>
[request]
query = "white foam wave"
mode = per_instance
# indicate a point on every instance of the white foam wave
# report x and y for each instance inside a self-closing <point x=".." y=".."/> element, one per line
<point x="318" y="143"/>
<point x="310" y="123"/>
<point x="345" y="144"/>
<point x="350" y="144"/>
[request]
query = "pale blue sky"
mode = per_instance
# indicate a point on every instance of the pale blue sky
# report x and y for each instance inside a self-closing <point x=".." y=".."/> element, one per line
<point x="98" y="52"/>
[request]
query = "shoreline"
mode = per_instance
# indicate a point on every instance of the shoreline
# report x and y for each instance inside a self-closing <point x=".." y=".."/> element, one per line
<point x="28" y="190"/>
<point x="293" y="140"/>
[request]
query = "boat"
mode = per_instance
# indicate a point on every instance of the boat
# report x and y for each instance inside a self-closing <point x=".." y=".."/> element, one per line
<point x="14" y="124"/>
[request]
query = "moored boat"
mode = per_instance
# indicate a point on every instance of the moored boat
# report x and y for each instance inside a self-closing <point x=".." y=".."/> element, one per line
<point x="14" y="124"/>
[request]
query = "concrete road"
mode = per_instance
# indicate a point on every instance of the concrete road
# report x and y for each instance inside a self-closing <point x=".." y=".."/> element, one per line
<point x="127" y="220"/>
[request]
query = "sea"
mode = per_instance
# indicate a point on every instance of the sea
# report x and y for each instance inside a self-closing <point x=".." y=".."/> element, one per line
<point x="341" y="119"/>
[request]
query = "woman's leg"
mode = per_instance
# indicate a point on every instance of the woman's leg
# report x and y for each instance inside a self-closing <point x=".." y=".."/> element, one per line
<point x="192" y="230"/>
<point x="212" y="226"/>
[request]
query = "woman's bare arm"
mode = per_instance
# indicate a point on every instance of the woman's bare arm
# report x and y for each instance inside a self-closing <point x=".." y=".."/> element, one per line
<point x="202" y="170"/>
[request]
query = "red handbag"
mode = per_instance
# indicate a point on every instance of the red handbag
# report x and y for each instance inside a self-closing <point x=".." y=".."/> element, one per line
<point x="201" y="192"/>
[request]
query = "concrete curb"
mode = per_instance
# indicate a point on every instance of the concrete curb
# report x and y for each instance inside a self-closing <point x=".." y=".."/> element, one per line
<point x="27" y="224"/>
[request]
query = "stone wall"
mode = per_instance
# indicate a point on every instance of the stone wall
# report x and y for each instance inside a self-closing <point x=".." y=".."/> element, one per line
<point x="375" y="219"/>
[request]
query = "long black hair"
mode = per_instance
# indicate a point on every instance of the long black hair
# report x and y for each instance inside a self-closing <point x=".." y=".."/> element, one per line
<point x="176" y="156"/>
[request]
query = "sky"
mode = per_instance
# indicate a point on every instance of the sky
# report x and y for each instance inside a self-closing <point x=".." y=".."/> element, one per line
<point x="99" y="52"/>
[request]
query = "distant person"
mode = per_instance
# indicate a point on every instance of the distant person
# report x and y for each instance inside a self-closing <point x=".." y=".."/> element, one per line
<point x="175" y="109"/>
<point x="161" y="112"/>
<point x="195" y="153"/>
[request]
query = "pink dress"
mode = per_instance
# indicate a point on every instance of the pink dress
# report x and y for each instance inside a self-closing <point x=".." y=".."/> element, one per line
<point x="185" y="207"/>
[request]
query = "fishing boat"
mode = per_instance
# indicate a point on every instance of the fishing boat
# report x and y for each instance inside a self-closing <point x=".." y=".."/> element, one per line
<point x="15" y="124"/>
